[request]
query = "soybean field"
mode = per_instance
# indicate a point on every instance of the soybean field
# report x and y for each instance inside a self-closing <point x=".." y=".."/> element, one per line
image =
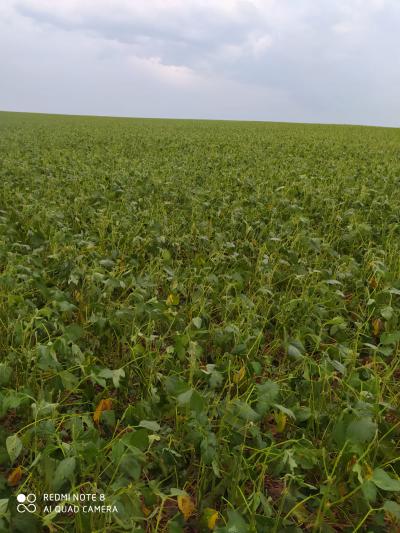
<point x="199" y="326"/>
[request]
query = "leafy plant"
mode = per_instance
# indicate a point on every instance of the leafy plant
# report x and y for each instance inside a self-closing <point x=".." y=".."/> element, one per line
<point x="199" y="321"/>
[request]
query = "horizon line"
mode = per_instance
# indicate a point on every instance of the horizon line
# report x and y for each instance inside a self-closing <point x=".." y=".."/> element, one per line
<point x="192" y="119"/>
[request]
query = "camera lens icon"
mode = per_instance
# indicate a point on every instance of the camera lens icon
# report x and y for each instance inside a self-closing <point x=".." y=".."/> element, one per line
<point x="30" y="499"/>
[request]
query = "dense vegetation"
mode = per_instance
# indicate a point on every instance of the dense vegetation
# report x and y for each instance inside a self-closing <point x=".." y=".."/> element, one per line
<point x="200" y="320"/>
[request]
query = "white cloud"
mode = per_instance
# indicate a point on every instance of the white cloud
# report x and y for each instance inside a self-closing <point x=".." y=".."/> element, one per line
<point x="259" y="45"/>
<point x="171" y="74"/>
<point x="311" y="60"/>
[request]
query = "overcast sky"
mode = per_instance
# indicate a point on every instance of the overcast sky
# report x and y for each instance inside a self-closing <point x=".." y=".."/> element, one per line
<point x="286" y="60"/>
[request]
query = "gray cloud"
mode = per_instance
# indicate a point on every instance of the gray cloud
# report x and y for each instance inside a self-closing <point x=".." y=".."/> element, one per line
<point x="331" y="61"/>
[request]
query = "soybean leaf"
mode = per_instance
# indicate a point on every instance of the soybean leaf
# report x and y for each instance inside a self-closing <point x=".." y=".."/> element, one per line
<point x="14" y="447"/>
<point x="383" y="481"/>
<point x="362" y="430"/>
<point x="392" y="508"/>
<point x="64" y="472"/>
<point x="267" y="393"/>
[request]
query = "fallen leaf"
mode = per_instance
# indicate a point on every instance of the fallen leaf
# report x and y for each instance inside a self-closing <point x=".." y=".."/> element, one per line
<point x="368" y="472"/>
<point x="146" y="511"/>
<point x="373" y="282"/>
<point x="301" y="514"/>
<point x="186" y="506"/>
<point x="281" y="420"/>
<point x="212" y="517"/>
<point x="377" y="326"/>
<point x="103" y="405"/>
<point x="15" y="476"/>
<point x="342" y="489"/>
<point x="239" y="375"/>
<point x="173" y="299"/>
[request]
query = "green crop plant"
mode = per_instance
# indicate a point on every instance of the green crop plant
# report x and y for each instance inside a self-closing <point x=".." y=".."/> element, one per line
<point x="199" y="321"/>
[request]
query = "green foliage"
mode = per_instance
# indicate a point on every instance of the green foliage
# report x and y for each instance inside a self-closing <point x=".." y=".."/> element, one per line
<point x="203" y="311"/>
<point x="14" y="447"/>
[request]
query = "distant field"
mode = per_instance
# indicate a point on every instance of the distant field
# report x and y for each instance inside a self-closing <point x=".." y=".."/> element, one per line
<point x="200" y="320"/>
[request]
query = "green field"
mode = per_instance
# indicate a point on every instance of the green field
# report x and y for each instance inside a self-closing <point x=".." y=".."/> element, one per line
<point x="201" y="321"/>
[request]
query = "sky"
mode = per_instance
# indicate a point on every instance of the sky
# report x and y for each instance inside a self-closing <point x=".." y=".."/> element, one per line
<point x="331" y="61"/>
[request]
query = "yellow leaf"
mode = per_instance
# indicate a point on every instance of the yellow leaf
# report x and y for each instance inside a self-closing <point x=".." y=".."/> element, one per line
<point x="239" y="375"/>
<point x="281" y="420"/>
<point x="146" y="511"/>
<point x="173" y="299"/>
<point x="368" y="471"/>
<point x="377" y="326"/>
<point x="103" y="405"/>
<point x="212" y="517"/>
<point x="301" y="514"/>
<point x="15" y="476"/>
<point x="373" y="282"/>
<point x="342" y="489"/>
<point x="186" y="506"/>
